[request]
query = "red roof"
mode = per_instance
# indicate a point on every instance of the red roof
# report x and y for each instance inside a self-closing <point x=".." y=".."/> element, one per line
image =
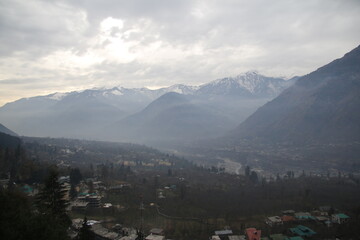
<point x="253" y="234"/>
<point x="287" y="218"/>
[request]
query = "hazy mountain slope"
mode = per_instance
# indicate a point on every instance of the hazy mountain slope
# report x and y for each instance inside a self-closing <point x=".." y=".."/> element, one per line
<point x="323" y="106"/>
<point x="173" y="116"/>
<point x="5" y="130"/>
<point x="8" y="141"/>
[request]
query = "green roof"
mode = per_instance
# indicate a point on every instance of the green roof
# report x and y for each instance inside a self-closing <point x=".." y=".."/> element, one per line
<point x="302" y="231"/>
<point x="277" y="236"/>
<point x="306" y="217"/>
<point x="27" y="189"/>
<point x="341" y="215"/>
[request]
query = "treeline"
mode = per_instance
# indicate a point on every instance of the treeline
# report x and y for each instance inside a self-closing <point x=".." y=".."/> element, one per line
<point x="22" y="217"/>
<point x="43" y="217"/>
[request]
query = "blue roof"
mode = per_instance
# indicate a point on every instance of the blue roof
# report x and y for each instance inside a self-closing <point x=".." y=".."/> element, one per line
<point x="302" y="231"/>
<point x="341" y="215"/>
<point x="27" y="189"/>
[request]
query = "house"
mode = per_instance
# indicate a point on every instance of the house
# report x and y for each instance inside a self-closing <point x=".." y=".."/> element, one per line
<point x="79" y="205"/>
<point x="156" y="234"/>
<point x="287" y="219"/>
<point x="304" y="216"/>
<point x="288" y="212"/>
<point x="157" y="231"/>
<point x="237" y="237"/>
<point x="302" y="231"/>
<point x="93" y="200"/>
<point x="102" y="233"/>
<point x="274" y="221"/>
<point x="155" y="237"/>
<point x="223" y="234"/>
<point x="322" y="218"/>
<point x="340" y="218"/>
<point x="252" y="234"/>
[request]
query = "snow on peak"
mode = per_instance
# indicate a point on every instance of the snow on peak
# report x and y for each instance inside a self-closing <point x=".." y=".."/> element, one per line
<point x="116" y="92"/>
<point x="181" y="88"/>
<point x="57" y="96"/>
<point x="250" y="82"/>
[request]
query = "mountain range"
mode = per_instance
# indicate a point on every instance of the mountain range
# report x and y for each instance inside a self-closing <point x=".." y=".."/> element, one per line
<point x="141" y="114"/>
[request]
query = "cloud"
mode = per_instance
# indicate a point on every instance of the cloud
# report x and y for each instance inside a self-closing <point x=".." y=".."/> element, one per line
<point x="78" y="44"/>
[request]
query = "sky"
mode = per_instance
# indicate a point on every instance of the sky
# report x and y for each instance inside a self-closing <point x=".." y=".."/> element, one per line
<point x="65" y="45"/>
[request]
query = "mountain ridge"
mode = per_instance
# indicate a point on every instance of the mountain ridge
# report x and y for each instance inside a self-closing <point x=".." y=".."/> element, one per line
<point x="77" y="114"/>
<point x="320" y="106"/>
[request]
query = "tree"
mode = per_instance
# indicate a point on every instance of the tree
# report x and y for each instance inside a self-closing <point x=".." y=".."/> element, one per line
<point x="247" y="171"/>
<point x="91" y="187"/>
<point x="73" y="193"/>
<point x="51" y="199"/>
<point x="85" y="233"/>
<point x="75" y="176"/>
<point x="20" y="221"/>
<point x="254" y="177"/>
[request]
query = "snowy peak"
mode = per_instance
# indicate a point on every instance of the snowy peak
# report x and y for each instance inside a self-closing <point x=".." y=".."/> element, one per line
<point x="182" y="89"/>
<point x="57" y="96"/>
<point x="249" y="84"/>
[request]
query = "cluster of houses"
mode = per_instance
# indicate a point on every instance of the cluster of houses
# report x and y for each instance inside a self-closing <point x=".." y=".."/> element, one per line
<point x="321" y="215"/>
<point x="297" y="219"/>
<point x="117" y="232"/>
<point x="91" y="201"/>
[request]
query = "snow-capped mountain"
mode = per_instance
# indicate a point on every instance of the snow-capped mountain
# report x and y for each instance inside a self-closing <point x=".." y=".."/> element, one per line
<point x="80" y="113"/>
<point x="249" y="84"/>
<point x="181" y="88"/>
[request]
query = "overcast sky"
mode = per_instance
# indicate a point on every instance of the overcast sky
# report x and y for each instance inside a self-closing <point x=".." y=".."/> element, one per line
<point x="57" y="46"/>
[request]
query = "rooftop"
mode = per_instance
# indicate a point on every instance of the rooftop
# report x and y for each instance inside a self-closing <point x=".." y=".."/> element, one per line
<point x="253" y="234"/>
<point x="154" y="237"/>
<point x="237" y="237"/>
<point x="157" y="231"/>
<point x="342" y="215"/>
<point x="302" y="231"/>
<point x="223" y="232"/>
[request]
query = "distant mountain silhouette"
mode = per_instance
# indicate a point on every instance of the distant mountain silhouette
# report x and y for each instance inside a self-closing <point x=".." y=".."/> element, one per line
<point x="323" y="106"/>
<point x="172" y="116"/>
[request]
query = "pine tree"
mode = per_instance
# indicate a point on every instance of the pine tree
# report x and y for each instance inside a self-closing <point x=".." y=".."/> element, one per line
<point x="73" y="193"/>
<point x="51" y="200"/>
<point x="247" y="171"/>
<point x="75" y="176"/>
<point x="85" y="233"/>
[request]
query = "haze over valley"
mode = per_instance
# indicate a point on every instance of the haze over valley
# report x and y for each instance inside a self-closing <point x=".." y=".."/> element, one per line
<point x="183" y="120"/>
